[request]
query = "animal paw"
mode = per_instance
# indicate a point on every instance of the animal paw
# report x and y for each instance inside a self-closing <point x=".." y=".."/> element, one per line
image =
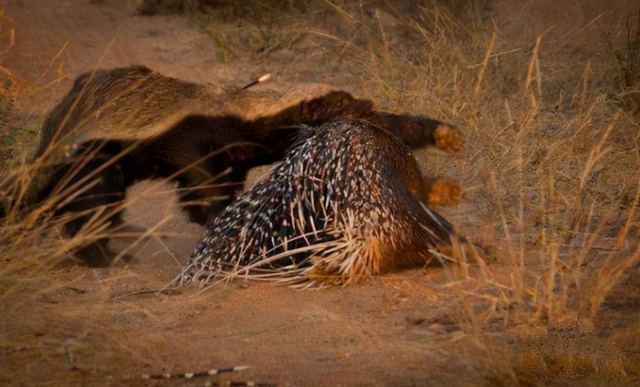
<point x="449" y="138"/>
<point x="445" y="193"/>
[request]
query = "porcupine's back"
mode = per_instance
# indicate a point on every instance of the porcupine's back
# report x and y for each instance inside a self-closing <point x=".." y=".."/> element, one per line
<point x="344" y="202"/>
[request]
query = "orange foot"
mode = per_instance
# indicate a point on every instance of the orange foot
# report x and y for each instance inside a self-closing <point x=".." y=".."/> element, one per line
<point x="449" y="138"/>
<point x="445" y="193"/>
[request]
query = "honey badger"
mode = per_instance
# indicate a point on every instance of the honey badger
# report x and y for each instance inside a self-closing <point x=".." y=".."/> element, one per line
<point x="116" y="127"/>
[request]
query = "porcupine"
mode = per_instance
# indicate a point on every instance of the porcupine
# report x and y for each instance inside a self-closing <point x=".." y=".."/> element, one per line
<point x="119" y="126"/>
<point x="347" y="201"/>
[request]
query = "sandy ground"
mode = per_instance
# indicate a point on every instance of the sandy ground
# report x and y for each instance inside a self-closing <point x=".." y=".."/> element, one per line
<point x="77" y="325"/>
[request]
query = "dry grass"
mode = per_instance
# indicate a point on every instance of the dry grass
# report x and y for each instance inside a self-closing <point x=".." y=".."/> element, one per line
<point x="550" y="170"/>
